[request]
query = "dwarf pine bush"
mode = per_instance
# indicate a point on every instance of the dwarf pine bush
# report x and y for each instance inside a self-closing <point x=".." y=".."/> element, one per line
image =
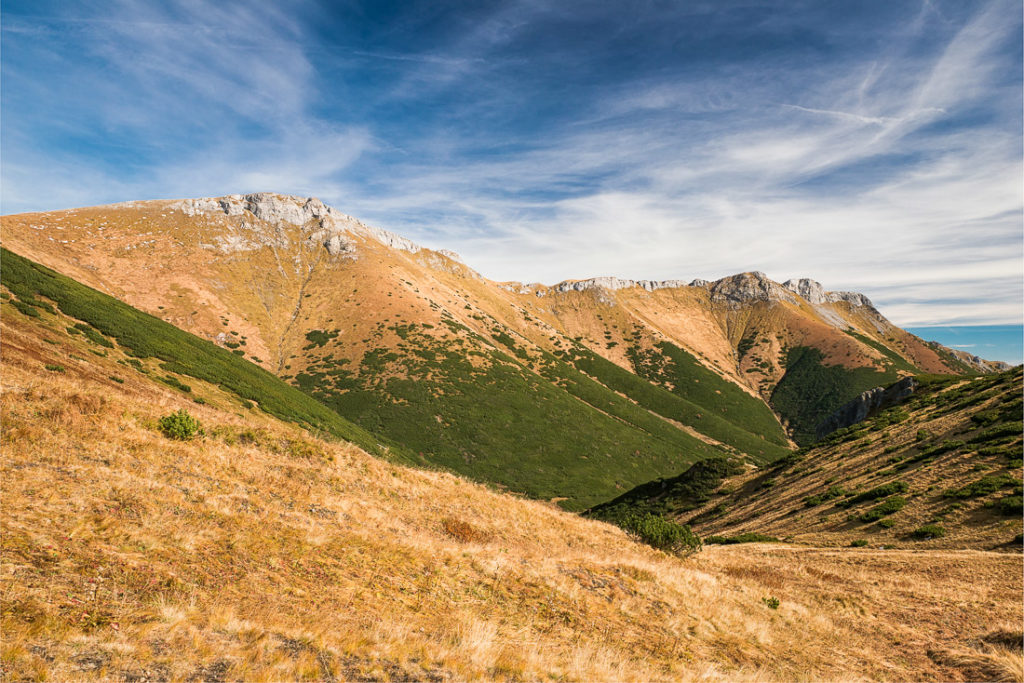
<point x="661" y="533"/>
<point x="180" y="426"/>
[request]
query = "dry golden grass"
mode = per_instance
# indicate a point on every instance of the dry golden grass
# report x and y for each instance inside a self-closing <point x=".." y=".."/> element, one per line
<point x="259" y="552"/>
<point x="862" y="464"/>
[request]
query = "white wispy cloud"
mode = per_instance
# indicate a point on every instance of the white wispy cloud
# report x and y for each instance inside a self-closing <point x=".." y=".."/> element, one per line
<point x="896" y="172"/>
<point x="935" y="240"/>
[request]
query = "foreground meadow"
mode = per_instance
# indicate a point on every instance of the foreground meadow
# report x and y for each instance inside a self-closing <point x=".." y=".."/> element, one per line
<point x="257" y="551"/>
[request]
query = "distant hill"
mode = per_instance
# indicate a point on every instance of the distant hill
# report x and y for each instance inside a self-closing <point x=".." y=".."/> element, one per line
<point x="575" y="392"/>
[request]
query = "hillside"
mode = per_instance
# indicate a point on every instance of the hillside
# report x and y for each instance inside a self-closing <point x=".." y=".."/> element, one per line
<point x="940" y="470"/>
<point x="260" y="551"/>
<point x="590" y="387"/>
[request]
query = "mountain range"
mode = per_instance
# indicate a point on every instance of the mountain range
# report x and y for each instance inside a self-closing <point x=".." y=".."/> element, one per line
<point x="238" y="435"/>
<point x="575" y="392"/>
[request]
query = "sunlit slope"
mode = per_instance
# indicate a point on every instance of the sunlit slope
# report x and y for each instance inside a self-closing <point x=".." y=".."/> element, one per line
<point x="578" y="391"/>
<point x="508" y="426"/>
<point x="412" y="346"/>
<point x="40" y="292"/>
<point x="260" y="552"/>
<point x="941" y="470"/>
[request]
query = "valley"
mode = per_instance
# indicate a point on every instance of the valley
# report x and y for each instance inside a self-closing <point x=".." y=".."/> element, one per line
<point x="252" y="438"/>
<point x="257" y="550"/>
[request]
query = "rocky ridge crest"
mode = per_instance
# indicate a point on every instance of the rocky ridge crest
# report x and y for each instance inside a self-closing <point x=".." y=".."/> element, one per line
<point x="328" y="227"/>
<point x="320" y="223"/>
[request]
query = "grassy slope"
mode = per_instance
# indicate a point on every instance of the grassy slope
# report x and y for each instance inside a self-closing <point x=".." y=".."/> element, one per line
<point x="710" y="405"/>
<point x="259" y="552"/>
<point x="810" y="391"/>
<point x="481" y="415"/>
<point x="478" y="412"/>
<point x="952" y="452"/>
<point x="143" y="336"/>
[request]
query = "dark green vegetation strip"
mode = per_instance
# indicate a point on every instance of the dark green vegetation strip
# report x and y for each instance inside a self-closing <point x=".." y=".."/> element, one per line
<point x="727" y="417"/>
<point x="670" y="496"/>
<point x="144" y="336"/>
<point x="672" y="368"/>
<point x="458" y="404"/>
<point x="749" y="537"/>
<point x="810" y="391"/>
<point x="890" y="359"/>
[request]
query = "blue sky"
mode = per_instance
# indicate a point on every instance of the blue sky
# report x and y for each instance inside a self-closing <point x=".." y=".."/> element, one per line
<point x="994" y="342"/>
<point x="871" y="145"/>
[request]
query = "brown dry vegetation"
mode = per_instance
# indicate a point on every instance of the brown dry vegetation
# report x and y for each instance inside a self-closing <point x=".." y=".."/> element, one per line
<point x="772" y="501"/>
<point x="260" y="552"/>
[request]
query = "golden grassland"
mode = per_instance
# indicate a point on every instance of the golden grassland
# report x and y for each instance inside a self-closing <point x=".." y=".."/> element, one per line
<point x="260" y="552"/>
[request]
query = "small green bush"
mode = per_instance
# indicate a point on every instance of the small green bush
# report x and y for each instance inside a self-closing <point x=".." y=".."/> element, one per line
<point x="982" y="487"/>
<point x="877" y="492"/>
<point x="859" y="543"/>
<point x="833" y="492"/>
<point x="891" y="505"/>
<point x="661" y="533"/>
<point x="54" y="368"/>
<point x="25" y="308"/>
<point x="748" y="537"/>
<point x="180" y="426"/>
<point x="928" y="531"/>
<point x="772" y="603"/>
<point x="1010" y="506"/>
<point x="172" y="381"/>
<point x="887" y="523"/>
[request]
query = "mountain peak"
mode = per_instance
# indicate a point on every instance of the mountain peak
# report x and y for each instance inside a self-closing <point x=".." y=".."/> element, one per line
<point x="747" y="287"/>
<point x="323" y="222"/>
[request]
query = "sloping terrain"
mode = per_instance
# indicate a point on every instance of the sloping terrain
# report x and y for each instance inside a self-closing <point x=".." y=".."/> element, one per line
<point x="576" y="392"/>
<point x="258" y="551"/>
<point x="491" y="417"/>
<point x="940" y="470"/>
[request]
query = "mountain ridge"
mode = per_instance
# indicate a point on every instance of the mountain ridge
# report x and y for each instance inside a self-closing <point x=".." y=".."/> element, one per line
<point x="276" y="208"/>
<point x="413" y="344"/>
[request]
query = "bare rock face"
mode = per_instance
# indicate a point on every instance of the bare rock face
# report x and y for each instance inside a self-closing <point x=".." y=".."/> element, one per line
<point x="978" y="363"/>
<point x="852" y="298"/>
<point x="336" y="246"/>
<point x="699" y="283"/>
<point x="321" y="224"/>
<point x="868" y="403"/>
<point x="748" y="287"/>
<point x="450" y="254"/>
<point x="810" y="290"/>
<point x="614" y="283"/>
<point x="815" y="294"/>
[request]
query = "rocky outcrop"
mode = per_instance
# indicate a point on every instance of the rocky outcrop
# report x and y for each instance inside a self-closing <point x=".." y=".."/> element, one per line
<point x="748" y="287"/>
<point x="450" y="254"/>
<point x="815" y="294"/>
<point x="810" y="290"/>
<point x="871" y="401"/>
<point x="852" y="298"/>
<point x="978" y="363"/>
<point x="614" y="283"/>
<point x="321" y="224"/>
